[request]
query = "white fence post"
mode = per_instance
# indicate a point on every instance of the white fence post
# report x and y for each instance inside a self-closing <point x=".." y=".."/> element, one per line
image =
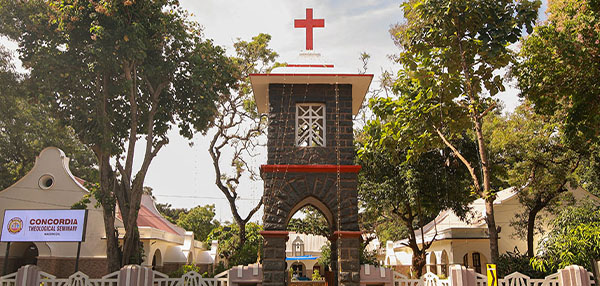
<point x="135" y="275"/>
<point x="461" y="276"/>
<point x="574" y="275"/>
<point x="28" y="275"/>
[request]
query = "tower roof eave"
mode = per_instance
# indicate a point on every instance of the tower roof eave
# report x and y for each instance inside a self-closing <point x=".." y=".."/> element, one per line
<point x="260" y="85"/>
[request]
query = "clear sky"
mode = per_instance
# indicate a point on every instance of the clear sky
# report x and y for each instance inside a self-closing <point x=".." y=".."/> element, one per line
<point x="183" y="175"/>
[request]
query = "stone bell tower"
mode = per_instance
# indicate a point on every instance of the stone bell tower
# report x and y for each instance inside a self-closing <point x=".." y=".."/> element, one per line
<point x="310" y="105"/>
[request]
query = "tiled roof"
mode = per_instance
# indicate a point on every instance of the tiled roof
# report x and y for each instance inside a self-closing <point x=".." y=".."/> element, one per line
<point x="150" y="217"/>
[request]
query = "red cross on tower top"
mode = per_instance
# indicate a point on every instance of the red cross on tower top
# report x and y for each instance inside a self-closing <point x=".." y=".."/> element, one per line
<point x="309" y="23"/>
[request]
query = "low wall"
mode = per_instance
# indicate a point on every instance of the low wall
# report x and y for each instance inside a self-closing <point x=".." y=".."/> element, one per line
<point x="245" y="275"/>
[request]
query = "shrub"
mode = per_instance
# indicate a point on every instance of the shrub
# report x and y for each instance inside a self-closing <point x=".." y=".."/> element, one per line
<point x="516" y="262"/>
<point x="316" y="276"/>
<point x="185" y="269"/>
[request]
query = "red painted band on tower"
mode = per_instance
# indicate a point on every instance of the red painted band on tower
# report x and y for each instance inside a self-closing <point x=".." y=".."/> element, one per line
<point x="276" y="233"/>
<point x="310" y="168"/>
<point x="346" y="233"/>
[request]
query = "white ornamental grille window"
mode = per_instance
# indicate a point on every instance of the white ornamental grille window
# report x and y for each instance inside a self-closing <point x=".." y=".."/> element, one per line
<point x="310" y="124"/>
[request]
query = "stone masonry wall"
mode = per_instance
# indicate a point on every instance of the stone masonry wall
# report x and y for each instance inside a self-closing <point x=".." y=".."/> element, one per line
<point x="282" y="147"/>
<point x="284" y="192"/>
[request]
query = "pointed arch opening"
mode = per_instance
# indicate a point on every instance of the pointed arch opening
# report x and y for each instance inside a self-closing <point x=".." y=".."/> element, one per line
<point x="310" y="224"/>
<point x="316" y="204"/>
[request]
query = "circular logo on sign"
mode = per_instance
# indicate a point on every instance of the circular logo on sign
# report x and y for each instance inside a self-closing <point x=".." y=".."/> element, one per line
<point x="15" y="225"/>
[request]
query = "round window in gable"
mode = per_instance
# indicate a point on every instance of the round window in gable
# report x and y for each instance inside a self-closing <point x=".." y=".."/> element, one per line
<point x="46" y="182"/>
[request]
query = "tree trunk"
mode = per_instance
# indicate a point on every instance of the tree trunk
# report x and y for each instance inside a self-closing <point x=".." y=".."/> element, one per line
<point x="531" y="225"/>
<point x="419" y="257"/>
<point x="113" y="254"/>
<point x="486" y="194"/>
<point x="132" y="246"/>
<point x="530" y="230"/>
<point x="242" y="234"/>
<point x="419" y="260"/>
<point x="491" y="222"/>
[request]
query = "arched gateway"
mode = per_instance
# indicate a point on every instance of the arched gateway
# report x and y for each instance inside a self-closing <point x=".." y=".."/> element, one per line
<point x="310" y="105"/>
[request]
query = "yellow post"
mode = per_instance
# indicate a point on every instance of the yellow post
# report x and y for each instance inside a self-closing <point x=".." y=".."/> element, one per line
<point x="491" y="275"/>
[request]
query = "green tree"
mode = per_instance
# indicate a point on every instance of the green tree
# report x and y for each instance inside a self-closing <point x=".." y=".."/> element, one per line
<point x="313" y="222"/>
<point x="574" y="239"/>
<point x="410" y="192"/>
<point x="117" y="71"/>
<point x="375" y="225"/>
<point x="238" y="128"/>
<point x="27" y="127"/>
<point x="170" y="213"/>
<point x="589" y="173"/>
<point x="452" y="53"/>
<point x="325" y="258"/>
<point x="541" y="166"/>
<point x="559" y="66"/>
<point x="200" y="220"/>
<point x="229" y="250"/>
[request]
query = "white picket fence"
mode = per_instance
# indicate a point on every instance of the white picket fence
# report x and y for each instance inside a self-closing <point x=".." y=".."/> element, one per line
<point x="112" y="279"/>
<point x="129" y="274"/>
<point x="429" y="279"/>
<point x="514" y="279"/>
<point x="188" y="279"/>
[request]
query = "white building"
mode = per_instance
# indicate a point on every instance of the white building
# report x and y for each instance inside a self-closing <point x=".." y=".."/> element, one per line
<point x="467" y="242"/>
<point x="302" y="252"/>
<point x="51" y="185"/>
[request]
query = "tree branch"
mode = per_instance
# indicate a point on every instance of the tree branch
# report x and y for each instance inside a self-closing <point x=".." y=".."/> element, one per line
<point x="462" y="159"/>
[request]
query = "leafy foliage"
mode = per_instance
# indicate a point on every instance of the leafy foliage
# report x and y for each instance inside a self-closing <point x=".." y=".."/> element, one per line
<point x="170" y="213"/>
<point x="589" y="173"/>
<point x="452" y="53"/>
<point x="325" y="258"/>
<point x="559" y="67"/>
<point x="185" y="269"/>
<point x="373" y="223"/>
<point x="27" y="127"/>
<point x="313" y="222"/>
<point x="541" y="166"/>
<point x="367" y="257"/>
<point x="574" y="239"/>
<point x="512" y="262"/>
<point x="393" y="190"/>
<point x="229" y="250"/>
<point x="316" y="275"/>
<point x="116" y="71"/>
<point x="200" y="220"/>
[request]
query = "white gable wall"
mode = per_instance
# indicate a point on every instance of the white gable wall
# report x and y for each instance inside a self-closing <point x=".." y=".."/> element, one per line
<point x="27" y="194"/>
